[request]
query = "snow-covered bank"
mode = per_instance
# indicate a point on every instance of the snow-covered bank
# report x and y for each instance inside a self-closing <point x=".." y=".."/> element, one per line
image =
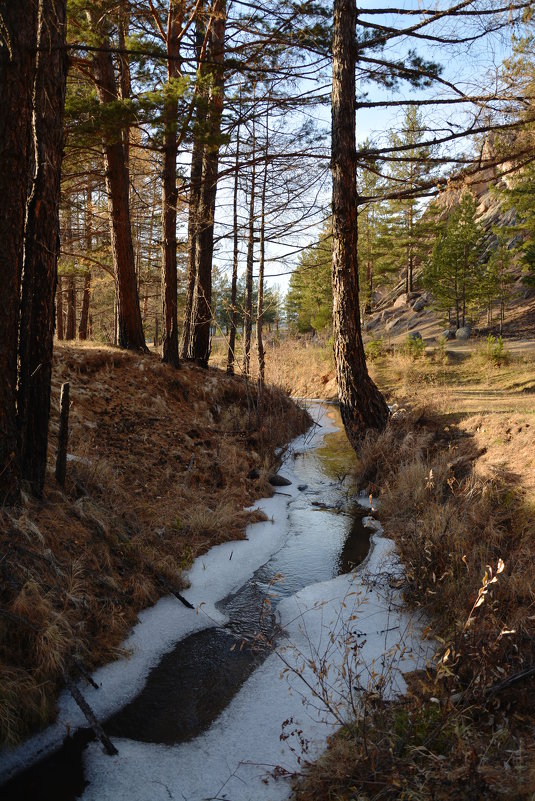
<point x="240" y="754"/>
<point x="213" y="576"/>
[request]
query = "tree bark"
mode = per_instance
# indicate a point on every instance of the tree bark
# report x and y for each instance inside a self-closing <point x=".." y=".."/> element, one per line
<point x="235" y="258"/>
<point x="248" y="303"/>
<point x="83" y="328"/>
<point x="42" y="247"/>
<point x="202" y="303"/>
<point x="71" y="307"/>
<point x="170" y="190"/>
<point x="59" y="308"/>
<point x="261" y="261"/>
<point x="197" y="157"/>
<point x="362" y="405"/>
<point x="86" y="298"/>
<point x="130" y="329"/>
<point x="18" y="40"/>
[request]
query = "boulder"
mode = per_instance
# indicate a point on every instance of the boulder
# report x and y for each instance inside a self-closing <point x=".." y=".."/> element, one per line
<point x="279" y="481"/>
<point x="371" y="324"/>
<point x="448" y="334"/>
<point x="421" y="302"/>
<point x="394" y="326"/>
<point x="402" y="300"/>
<point x="414" y="335"/>
<point x="465" y="332"/>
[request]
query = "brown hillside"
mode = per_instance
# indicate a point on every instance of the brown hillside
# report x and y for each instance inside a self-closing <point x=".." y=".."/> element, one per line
<point x="158" y="472"/>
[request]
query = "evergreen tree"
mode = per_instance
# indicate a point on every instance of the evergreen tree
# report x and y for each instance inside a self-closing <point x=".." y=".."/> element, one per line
<point x="455" y="273"/>
<point x="405" y="234"/>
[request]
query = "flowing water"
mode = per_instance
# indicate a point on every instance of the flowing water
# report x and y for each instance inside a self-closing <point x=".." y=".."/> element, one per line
<point x="194" y="682"/>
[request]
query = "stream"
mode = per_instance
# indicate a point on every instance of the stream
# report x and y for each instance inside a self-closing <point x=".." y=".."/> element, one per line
<point x="198" y="710"/>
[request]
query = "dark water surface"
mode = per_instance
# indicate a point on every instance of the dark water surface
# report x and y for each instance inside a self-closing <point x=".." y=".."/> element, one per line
<point x="194" y="682"/>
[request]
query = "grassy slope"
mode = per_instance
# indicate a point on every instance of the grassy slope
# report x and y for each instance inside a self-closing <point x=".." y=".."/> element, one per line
<point x="159" y="475"/>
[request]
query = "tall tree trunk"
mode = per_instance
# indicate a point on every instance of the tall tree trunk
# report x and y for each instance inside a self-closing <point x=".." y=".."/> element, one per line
<point x="130" y="328"/>
<point x="235" y="257"/>
<point x="261" y="261"/>
<point x="202" y="303"/>
<point x="83" y="328"/>
<point x="197" y="157"/>
<point x="125" y="81"/>
<point x="18" y="36"/>
<point x="248" y="303"/>
<point x="170" y="190"/>
<point x="86" y="298"/>
<point x="42" y="246"/>
<point x="59" y="309"/>
<point x="71" y="307"/>
<point x="362" y="405"/>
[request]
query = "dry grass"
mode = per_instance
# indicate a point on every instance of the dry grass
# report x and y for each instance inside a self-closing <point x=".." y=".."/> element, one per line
<point x="303" y="367"/>
<point x="160" y="472"/>
<point x="454" y="471"/>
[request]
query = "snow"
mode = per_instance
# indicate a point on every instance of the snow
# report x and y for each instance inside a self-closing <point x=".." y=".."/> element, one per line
<point x="236" y="757"/>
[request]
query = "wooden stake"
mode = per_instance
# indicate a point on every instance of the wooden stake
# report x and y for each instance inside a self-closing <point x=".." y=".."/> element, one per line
<point x="63" y="435"/>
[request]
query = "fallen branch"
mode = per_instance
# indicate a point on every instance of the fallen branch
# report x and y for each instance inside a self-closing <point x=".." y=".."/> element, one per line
<point x="510" y="680"/>
<point x="91" y="719"/>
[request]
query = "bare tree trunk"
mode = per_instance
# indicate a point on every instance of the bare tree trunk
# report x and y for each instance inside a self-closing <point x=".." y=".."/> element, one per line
<point x="248" y="304"/>
<point x="362" y="405"/>
<point x="130" y="328"/>
<point x="197" y="157"/>
<point x="86" y="298"/>
<point x="18" y="27"/>
<point x="83" y="328"/>
<point x="261" y="260"/>
<point x="235" y="257"/>
<point x="125" y="81"/>
<point x="202" y="304"/>
<point x="59" y="309"/>
<point x="170" y="190"/>
<point x="71" y="307"/>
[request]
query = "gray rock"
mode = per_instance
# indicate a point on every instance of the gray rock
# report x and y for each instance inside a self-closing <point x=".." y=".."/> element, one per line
<point x="279" y="481"/>
<point x="448" y="334"/>
<point x="415" y="335"/>
<point x="394" y="325"/>
<point x="465" y="332"/>
<point x="421" y="302"/>
<point x="371" y="324"/>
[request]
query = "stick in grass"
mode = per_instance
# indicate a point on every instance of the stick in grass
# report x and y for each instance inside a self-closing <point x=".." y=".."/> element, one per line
<point x="63" y="435"/>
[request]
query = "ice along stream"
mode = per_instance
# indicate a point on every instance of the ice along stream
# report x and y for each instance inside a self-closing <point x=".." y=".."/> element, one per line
<point x="198" y="710"/>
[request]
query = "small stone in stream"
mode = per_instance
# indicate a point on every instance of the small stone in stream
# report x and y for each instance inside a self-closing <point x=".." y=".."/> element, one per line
<point x="279" y="481"/>
<point x="302" y="487"/>
<point x="254" y="473"/>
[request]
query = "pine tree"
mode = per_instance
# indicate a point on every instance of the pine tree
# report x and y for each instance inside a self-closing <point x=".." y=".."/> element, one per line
<point x="455" y="272"/>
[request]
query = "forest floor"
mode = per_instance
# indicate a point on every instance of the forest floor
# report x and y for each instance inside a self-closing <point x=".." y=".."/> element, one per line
<point x="161" y="465"/>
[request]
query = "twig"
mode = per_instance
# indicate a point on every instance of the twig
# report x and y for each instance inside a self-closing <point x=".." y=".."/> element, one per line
<point x="502" y="685"/>
<point x="91" y="719"/>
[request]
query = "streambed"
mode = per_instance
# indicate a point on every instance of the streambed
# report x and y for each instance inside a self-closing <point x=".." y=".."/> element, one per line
<point x="198" y="710"/>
